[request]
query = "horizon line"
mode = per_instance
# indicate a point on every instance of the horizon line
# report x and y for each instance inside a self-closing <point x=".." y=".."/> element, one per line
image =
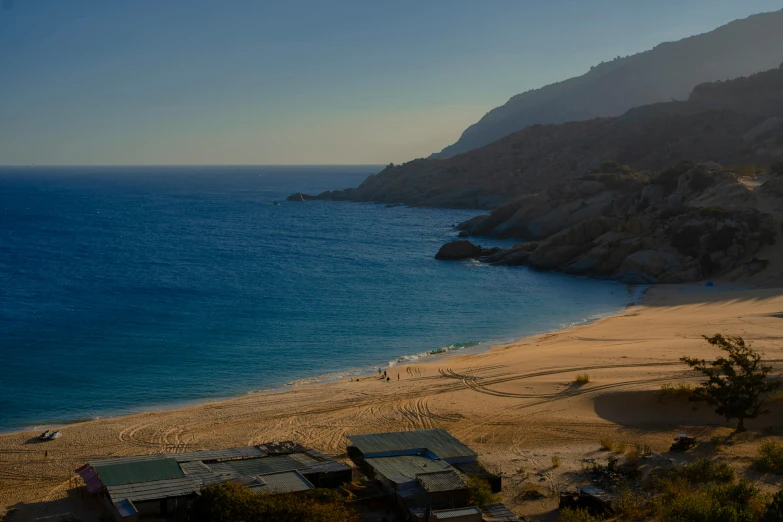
<point x="196" y="165"/>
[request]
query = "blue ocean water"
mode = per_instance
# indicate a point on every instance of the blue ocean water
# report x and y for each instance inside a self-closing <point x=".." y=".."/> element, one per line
<point x="124" y="289"/>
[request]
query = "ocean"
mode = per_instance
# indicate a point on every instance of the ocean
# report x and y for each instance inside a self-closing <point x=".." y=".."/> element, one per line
<point x="125" y="289"/>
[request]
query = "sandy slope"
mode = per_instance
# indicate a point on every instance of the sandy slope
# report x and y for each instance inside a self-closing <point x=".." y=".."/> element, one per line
<point x="515" y="404"/>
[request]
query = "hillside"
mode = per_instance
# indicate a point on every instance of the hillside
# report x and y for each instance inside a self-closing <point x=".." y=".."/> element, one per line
<point x="668" y="72"/>
<point x="684" y="224"/>
<point x="731" y="122"/>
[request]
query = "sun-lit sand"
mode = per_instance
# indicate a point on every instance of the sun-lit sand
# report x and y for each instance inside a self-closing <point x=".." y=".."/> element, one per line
<point x="516" y="405"/>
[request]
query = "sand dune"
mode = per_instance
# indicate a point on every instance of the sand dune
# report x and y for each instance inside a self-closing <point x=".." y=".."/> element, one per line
<point x="516" y="405"/>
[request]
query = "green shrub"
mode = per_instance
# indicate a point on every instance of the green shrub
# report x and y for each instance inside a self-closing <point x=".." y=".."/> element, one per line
<point x="704" y="470"/>
<point x="725" y="503"/>
<point x="479" y="492"/>
<point x="582" y="379"/>
<point x="230" y="502"/>
<point x="632" y="457"/>
<point x="775" y="397"/>
<point x="770" y="457"/>
<point x="719" y="441"/>
<point x="775" y="508"/>
<point x="676" y="391"/>
<point x="576" y="515"/>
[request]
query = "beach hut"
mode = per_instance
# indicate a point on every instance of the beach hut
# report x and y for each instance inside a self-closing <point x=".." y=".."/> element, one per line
<point x="164" y="484"/>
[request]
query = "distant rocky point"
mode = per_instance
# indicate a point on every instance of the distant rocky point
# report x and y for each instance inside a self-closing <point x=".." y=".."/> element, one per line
<point x="733" y="122"/>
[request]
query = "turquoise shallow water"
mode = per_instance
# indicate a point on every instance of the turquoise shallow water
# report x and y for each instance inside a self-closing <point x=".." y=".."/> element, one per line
<point x="124" y="289"/>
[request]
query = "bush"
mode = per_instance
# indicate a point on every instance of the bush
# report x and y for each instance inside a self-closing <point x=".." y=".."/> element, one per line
<point x="730" y="502"/>
<point x="479" y="492"/>
<point x="704" y="470"/>
<point x="607" y="443"/>
<point x="232" y="502"/>
<point x="633" y="457"/>
<point x="775" y="397"/>
<point x="718" y="441"/>
<point x="555" y="461"/>
<point x="775" y="508"/>
<point x="676" y="391"/>
<point x="770" y="457"/>
<point x="611" y="445"/>
<point x="576" y="515"/>
<point x="582" y="379"/>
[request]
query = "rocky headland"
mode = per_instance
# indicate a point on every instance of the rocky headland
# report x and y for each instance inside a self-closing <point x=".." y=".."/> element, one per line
<point x="645" y="216"/>
<point x="683" y="224"/>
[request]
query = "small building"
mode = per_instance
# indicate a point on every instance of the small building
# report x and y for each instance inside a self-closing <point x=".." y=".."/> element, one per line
<point x="488" y="513"/>
<point x="433" y="443"/>
<point x="429" y="445"/>
<point x="420" y="468"/>
<point x="595" y="500"/>
<point x="468" y="514"/>
<point x="163" y="484"/>
<point x="497" y="513"/>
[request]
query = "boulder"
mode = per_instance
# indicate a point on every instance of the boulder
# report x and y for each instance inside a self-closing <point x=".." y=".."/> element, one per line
<point x="653" y="194"/>
<point x="459" y="249"/>
<point x="653" y="262"/>
<point x="300" y="196"/>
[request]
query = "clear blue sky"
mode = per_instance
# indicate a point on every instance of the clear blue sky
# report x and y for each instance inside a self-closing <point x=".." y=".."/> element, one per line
<point x="322" y="81"/>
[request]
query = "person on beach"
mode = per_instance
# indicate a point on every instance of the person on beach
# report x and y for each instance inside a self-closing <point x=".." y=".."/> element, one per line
<point x="398" y="376"/>
<point x="388" y="379"/>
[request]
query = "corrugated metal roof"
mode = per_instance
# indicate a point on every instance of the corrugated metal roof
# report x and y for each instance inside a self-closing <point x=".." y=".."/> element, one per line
<point x="474" y="469"/>
<point x="125" y="508"/>
<point x="411" y="492"/>
<point x="262" y="466"/>
<point x="498" y="513"/>
<point x="285" y="482"/>
<point x="406" y="466"/>
<point x="438" y="441"/>
<point x="160" y="489"/>
<point x="150" y="477"/>
<point x="441" y="481"/>
<point x="90" y="477"/>
<point x="230" y="453"/>
<point x="195" y="468"/>
<point x="136" y="472"/>
<point x="277" y="463"/>
<point x="447" y="514"/>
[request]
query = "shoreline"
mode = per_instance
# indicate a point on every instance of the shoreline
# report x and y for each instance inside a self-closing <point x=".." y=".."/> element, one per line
<point x="637" y="294"/>
<point x="515" y="404"/>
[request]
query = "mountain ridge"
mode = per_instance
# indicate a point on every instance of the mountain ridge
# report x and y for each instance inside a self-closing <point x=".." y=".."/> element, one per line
<point x="667" y="72"/>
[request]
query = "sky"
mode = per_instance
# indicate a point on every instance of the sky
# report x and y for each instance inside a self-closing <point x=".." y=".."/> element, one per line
<point x="154" y="82"/>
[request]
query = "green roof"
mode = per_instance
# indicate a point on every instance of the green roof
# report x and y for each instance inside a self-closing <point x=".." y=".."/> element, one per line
<point x="438" y="441"/>
<point x="136" y="472"/>
<point x="407" y="466"/>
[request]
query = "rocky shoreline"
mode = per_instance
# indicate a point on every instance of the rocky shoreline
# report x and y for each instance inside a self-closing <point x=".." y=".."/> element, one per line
<point x="685" y="224"/>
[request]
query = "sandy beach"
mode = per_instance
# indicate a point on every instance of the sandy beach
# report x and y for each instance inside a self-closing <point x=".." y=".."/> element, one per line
<point x="516" y="405"/>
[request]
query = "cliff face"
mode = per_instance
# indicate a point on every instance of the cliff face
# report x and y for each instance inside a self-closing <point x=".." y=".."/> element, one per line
<point x="732" y="122"/>
<point x="668" y="72"/>
<point x="684" y="224"/>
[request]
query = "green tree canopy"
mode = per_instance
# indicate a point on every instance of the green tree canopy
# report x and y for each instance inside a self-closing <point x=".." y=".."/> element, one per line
<point x="231" y="502"/>
<point x="736" y="382"/>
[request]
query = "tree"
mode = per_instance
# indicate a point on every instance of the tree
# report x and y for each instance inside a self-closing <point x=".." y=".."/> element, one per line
<point x="229" y="502"/>
<point x="736" y="383"/>
<point x="775" y="508"/>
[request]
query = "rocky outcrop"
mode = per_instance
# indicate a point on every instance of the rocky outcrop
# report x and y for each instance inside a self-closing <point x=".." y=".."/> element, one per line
<point x="461" y="249"/>
<point x="683" y="224"/>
